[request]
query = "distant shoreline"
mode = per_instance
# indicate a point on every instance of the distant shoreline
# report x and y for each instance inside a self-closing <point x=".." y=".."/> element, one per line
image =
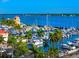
<point x="53" y="21"/>
<point x="50" y="14"/>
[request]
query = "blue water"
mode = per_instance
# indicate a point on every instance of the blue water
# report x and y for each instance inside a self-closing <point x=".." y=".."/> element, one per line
<point x="55" y="21"/>
<point x="65" y="41"/>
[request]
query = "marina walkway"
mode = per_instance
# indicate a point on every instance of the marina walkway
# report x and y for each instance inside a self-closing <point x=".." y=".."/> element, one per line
<point x="74" y="55"/>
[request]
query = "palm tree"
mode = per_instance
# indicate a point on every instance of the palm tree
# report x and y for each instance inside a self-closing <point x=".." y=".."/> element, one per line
<point x="53" y="52"/>
<point x="21" y="49"/>
<point x="12" y="42"/>
<point x="58" y="34"/>
<point x="38" y="52"/>
<point x="28" y="34"/>
<point x="40" y="33"/>
<point x="54" y="38"/>
<point x="1" y="40"/>
<point x="3" y="21"/>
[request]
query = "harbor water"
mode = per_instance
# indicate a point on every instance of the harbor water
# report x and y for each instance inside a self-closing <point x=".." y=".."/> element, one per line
<point x="41" y="20"/>
<point x="54" y="21"/>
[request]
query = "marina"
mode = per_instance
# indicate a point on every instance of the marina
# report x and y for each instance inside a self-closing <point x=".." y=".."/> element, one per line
<point x="39" y="29"/>
<point x="38" y="33"/>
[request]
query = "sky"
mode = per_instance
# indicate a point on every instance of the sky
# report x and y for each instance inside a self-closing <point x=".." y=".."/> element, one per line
<point x="38" y="6"/>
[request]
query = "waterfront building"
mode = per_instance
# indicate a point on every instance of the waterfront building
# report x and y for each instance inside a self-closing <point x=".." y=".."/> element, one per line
<point x="4" y="34"/>
<point x="17" y="20"/>
<point x="28" y="28"/>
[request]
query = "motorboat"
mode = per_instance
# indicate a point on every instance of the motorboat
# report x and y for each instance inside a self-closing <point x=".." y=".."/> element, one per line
<point x="65" y="46"/>
<point x="38" y="43"/>
<point x="77" y="39"/>
<point x="71" y="45"/>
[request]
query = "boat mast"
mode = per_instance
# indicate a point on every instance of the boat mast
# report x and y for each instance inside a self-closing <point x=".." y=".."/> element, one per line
<point x="47" y="19"/>
<point x="47" y="25"/>
<point x="36" y="22"/>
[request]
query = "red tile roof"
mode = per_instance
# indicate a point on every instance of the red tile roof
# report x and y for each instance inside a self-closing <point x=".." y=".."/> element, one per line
<point x="3" y="31"/>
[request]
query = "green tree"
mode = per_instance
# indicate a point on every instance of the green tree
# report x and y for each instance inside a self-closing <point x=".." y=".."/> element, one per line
<point x="1" y="40"/>
<point x="53" y="52"/>
<point x="38" y="52"/>
<point x="21" y="49"/>
<point x="40" y="33"/>
<point x="28" y="34"/>
<point x="17" y="27"/>
<point x="3" y="21"/>
<point x="54" y="38"/>
<point x="9" y="22"/>
<point x="12" y="42"/>
<point x="58" y="34"/>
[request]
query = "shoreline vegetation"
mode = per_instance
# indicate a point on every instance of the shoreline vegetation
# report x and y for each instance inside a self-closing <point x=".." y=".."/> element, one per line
<point x="30" y="40"/>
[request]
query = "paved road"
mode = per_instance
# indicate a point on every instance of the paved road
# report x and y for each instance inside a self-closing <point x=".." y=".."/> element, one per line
<point x="75" y="55"/>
